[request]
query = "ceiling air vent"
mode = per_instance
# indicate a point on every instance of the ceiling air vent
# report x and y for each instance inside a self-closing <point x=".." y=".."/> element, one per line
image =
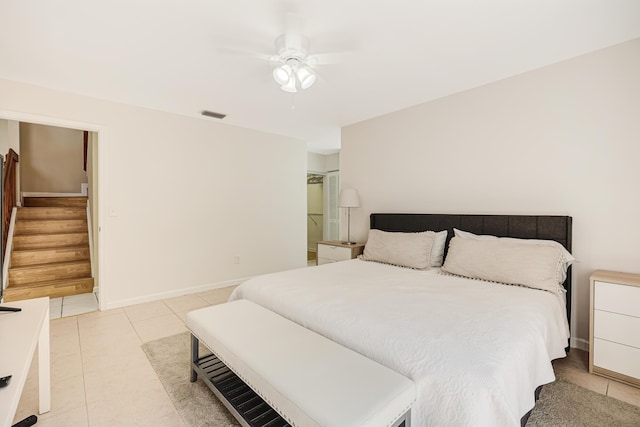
<point x="213" y="114"/>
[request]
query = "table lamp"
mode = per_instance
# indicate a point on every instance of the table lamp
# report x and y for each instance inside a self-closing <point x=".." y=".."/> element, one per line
<point x="349" y="199"/>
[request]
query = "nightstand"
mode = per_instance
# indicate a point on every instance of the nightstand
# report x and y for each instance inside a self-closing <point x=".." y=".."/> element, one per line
<point x="334" y="250"/>
<point x="614" y="332"/>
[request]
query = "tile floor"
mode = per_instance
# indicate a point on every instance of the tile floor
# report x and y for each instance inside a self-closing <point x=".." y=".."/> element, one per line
<point x="73" y="305"/>
<point x="575" y="369"/>
<point x="99" y="374"/>
<point x="101" y="377"/>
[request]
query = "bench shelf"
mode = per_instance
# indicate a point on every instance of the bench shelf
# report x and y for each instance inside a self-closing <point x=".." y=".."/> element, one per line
<point x="245" y="405"/>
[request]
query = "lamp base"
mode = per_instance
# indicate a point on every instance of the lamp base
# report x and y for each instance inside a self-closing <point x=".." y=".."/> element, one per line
<point x="348" y="243"/>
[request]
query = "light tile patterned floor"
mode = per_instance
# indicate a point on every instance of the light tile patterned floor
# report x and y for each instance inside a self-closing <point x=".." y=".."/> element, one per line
<point x="101" y="376"/>
<point x="575" y="369"/>
<point x="73" y="305"/>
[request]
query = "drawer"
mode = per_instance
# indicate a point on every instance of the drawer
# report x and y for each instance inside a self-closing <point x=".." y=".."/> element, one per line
<point x="335" y="253"/>
<point x="623" y="299"/>
<point x="617" y="328"/>
<point x="325" y="261"/>
<point x="616" y="357"/>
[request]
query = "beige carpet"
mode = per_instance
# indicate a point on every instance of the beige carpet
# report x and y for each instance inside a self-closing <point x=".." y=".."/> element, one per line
<point x="568" y="405"/>
<point x="560" y="404"/>
<point x="196" y="404"/>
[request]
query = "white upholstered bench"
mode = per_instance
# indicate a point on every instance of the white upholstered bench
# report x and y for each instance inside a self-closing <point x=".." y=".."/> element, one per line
<point x="270" y="371"/>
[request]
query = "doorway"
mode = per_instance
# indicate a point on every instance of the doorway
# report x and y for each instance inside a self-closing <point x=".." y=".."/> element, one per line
<point x="21" y="123"/>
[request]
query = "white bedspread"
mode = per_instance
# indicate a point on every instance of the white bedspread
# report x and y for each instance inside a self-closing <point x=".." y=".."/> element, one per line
<point x="476" y="350"/>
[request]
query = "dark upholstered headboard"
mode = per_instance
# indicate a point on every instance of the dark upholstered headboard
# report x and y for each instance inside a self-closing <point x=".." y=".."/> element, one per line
<point x="547" y="227"/>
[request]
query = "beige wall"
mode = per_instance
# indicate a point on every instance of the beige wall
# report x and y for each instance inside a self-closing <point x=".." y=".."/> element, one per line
<point x="4" y="137"/>
<point x="51" y="159"/>
<point x="333" y="162"/>
<point x="180" y="197"/>
<point x="564" y="139"/>
<point x="10" y="139"/>
<point x="14" y="142"/>
<point x="323" y="162"/>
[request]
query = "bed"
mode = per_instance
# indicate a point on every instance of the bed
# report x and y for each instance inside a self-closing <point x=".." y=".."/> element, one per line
<point x="477" y="350"/>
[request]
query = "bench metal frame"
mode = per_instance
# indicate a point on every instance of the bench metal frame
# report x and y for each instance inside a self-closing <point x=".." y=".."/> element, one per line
<point x="241" y="400"/>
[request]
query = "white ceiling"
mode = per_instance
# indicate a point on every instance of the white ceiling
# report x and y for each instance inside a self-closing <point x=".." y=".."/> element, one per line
<point x="182" y="56"/>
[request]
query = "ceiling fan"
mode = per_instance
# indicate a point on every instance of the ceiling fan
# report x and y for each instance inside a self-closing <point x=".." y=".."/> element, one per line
<point x="295" y="67"/>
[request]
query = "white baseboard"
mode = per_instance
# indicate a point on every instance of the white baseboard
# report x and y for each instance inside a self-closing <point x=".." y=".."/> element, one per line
<point x="36" y="194"/>
<point x="84" y="192"/>
<point x="169" y="294"/>
<point x="579" y="343"/>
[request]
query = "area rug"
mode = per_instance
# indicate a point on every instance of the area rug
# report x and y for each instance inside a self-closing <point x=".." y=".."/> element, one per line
<point x="560" y="404"/>
<point x="568" y="405"/>
<point x="196" y="404"/>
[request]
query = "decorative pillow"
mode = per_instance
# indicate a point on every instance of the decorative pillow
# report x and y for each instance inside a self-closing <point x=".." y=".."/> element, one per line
<point x="403" y="249"/>
<point x="568" y="258"/>
<point x="509" y="261"/>
<point x="437" y="252"/>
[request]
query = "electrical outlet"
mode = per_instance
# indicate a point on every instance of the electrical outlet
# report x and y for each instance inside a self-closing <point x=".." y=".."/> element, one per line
<point x="236" y="259"/>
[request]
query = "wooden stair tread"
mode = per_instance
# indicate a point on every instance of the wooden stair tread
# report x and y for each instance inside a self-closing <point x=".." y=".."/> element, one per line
<point x="25" y="257"/>
<point x="37" y="241"/>
<point x="54" y="283"/>
<point x="50" y="255"/>
<point x="49" y="211"/>
<point x="56" y="248"/>
<point x="26" y="227"/>
<point x="49" y="234"/>
<point x="51" y="208"/>
<point x="56" y="197"/>
<point x="47" y="272"/>
<point x="54" y="220"/>
<point x="51" y="289"/>
<point x="46" y="234"/>
<point x="51" y="220"/>
<point x="51" y="264"/>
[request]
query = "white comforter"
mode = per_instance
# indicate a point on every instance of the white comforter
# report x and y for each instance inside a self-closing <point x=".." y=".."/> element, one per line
<point x="476" y="350"/>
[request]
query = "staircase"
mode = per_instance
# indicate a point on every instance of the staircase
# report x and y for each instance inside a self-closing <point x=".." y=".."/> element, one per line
<point x="50" y="255"/>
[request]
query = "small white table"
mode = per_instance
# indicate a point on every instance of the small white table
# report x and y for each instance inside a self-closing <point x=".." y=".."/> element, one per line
<point x="20" y="334"/>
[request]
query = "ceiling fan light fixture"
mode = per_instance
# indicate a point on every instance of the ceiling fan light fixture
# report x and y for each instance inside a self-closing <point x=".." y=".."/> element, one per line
<point x="290" y="86"/>
<point x="306" y="76"/>
<point x="282" y="74"/>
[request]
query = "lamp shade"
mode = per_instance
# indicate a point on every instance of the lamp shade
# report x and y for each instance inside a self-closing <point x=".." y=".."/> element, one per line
<point x="290" y="86"/>
<point x="349" y="198"/>
<point x="306" y="77"/>
<point x="282" y="74"/>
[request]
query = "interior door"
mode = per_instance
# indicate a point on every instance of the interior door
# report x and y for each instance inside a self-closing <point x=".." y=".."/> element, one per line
<point x="331" y="217"/>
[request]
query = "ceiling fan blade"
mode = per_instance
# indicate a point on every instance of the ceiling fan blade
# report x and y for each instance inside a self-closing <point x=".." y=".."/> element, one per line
<point x="329" y="58"/>
<point x="246" y="53"/>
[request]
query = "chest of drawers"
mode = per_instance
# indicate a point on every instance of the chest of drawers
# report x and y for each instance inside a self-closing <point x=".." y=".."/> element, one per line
<point x="615" y="326"/>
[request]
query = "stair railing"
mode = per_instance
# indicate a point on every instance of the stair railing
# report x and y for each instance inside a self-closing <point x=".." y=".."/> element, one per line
<point x="10" y="199"/>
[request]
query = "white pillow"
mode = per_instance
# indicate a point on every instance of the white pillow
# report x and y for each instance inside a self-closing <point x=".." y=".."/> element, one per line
<point x="509" y="261"/>
<point x="402" y="249"/>
<point x="568" y="258"/>
<point x="437" y="252"/>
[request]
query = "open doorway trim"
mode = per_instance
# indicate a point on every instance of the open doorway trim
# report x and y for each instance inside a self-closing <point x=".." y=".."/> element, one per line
<point x="101" y="132"/>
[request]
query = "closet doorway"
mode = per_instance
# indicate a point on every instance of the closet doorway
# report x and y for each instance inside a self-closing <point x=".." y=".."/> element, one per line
<point x="322" y="210"/>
